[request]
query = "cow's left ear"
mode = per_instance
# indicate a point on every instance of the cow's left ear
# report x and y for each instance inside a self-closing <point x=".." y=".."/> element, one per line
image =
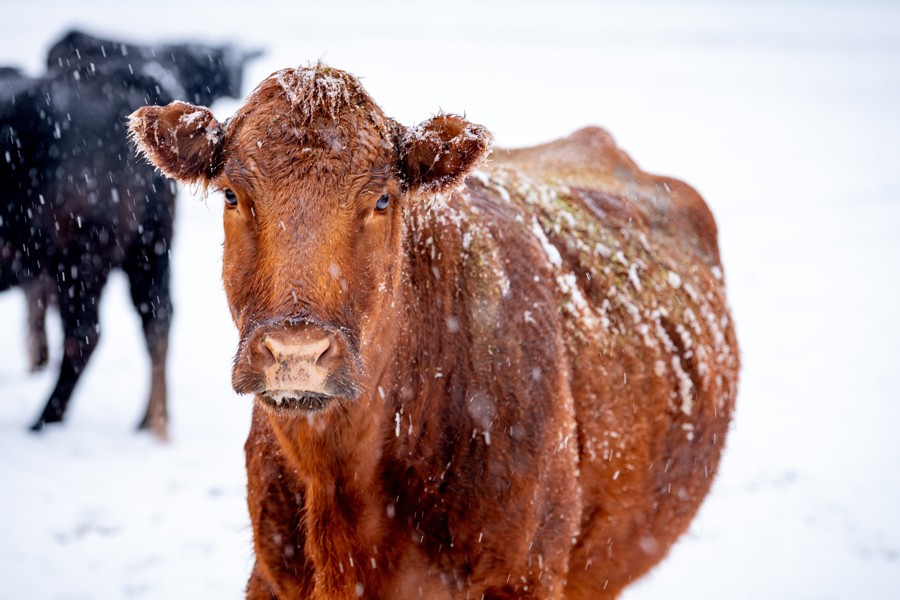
<point x="437" y="155"/>
<point x="184" y="141"/>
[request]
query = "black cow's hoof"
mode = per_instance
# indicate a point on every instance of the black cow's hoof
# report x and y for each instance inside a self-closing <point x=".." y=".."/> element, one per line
<point x="39" y="362"/>
<point x="44" y="420"/>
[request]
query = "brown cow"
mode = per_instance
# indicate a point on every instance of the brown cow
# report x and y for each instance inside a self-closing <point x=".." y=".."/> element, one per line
<point x="515" y="385"/>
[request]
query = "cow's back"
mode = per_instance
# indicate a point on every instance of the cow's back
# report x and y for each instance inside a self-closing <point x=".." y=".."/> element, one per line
<point x="590" y="159"/>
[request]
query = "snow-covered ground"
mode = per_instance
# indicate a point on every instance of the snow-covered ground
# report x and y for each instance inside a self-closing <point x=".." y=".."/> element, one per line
<point x="784" y="115"/>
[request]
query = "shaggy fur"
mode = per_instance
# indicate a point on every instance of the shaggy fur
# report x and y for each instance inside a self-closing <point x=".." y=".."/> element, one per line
<point x="543" y="366"/>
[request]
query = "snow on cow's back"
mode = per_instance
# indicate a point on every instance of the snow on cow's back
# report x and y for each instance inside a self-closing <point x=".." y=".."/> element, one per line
<point x="589" y="159"/>
<point x="614" y="275"/>
<point x="637" y="303"/>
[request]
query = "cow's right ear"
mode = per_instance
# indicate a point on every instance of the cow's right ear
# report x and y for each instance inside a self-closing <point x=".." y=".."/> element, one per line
<point x="184" y="141"/>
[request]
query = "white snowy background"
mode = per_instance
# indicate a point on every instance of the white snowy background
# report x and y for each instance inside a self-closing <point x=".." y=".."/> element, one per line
<point x="785" y="115"/>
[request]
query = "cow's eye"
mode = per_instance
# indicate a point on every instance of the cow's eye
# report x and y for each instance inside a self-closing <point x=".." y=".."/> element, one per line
<point x="230" y="198"/>
<point x="382" y="202"/>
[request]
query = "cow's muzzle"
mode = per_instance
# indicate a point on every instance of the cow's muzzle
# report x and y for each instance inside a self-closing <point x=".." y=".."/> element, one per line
<point x="296" y="367"/>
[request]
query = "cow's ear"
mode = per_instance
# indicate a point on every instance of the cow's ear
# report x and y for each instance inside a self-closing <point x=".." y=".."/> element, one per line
<point x="437" y="155"/>
<point x="184" y="141"/>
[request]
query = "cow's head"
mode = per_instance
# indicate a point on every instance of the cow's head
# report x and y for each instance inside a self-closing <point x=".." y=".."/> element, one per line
<point x="315" y="181"/>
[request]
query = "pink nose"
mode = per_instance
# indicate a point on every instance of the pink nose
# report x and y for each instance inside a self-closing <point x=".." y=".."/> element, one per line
<point x="311" y="352"/>
<point x="300" y="366"/>
<point x="301" y="363"/>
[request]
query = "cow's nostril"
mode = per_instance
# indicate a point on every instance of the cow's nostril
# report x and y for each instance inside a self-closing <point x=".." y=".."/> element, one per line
<point x="267" y="349"/>
<point x="329" y="354"/>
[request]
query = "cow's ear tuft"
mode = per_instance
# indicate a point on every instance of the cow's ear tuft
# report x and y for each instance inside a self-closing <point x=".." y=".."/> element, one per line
<point x="437" y="155"/>
<point x="184" y="141"/>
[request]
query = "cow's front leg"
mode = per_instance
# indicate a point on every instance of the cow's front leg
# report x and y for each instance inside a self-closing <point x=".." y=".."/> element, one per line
<point x="148" y="275"/>
<point x="37" y="299"/>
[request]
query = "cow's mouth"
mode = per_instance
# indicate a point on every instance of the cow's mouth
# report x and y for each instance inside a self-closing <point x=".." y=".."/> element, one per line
<point x="294" y="401"/>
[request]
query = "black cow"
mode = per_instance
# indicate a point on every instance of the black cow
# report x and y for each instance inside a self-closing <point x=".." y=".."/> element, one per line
<point x="37" y="292"/>
<point x="75" y="203"/>
<point x="187" y="71"/>
<point x="12" y="80"/>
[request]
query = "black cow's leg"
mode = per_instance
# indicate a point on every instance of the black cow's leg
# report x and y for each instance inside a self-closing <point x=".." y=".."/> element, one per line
<point x="148" y="276"/>
<point x="37" y="298"/>
<point x="79" y="303"/>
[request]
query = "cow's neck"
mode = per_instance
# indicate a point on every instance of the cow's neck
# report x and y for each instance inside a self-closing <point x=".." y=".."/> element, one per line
<point x="336" y="455"/>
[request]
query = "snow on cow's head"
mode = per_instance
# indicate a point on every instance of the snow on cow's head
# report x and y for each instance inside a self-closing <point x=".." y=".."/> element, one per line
<point x="186" y="142"/>
<point x="316" y="181"/>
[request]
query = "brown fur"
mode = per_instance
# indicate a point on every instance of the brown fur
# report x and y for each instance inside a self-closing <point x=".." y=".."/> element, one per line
<point x="530" y="381"/>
